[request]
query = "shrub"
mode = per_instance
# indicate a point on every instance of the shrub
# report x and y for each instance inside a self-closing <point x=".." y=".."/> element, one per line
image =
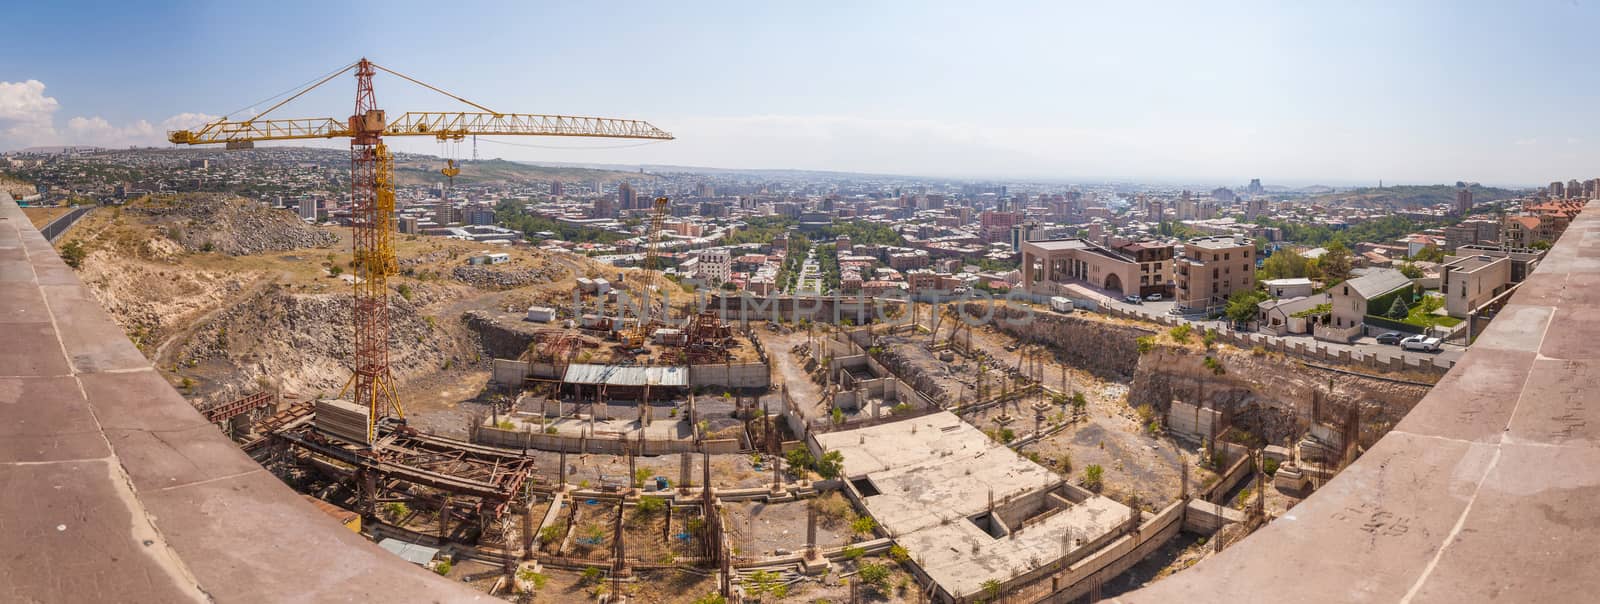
<point x="1093" y="477"/>
<point x="594" y="533"/>
<point x="863" y="525"/>
<point x="443" y="567"/>
<point x="640" y="476"/>
<point x="851" y="552"/>
<point x="539" y="580"/>
<point x="396" y="510"/>
<point x="1007" y="435"/>
<point x="550" y="430"/>
<point x="650" y="506"/>
<point x="404" y="290"/>
<point x="711" y="598"/>
<point x="550" y="534"/>
<point x="590" y="576"/>
<point x="991" y="590"/>
<point x="1215" y="366"/>
<point x="874" y="574"/>
<point x="1270" y="466"/>
<point x="1181" y="333"/>
<point x="73" y="253"/>
<point x="898" y="553"/>
<point x="1146" y="344"/>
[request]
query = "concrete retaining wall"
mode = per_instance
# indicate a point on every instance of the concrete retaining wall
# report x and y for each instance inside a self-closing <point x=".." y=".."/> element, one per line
<point x="512" y="439"/>
<point x="506" y="372"/>
<point x="1119" y="556"/>
<point x="736" y="375"/>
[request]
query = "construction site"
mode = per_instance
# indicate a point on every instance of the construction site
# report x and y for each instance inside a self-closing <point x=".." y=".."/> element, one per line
<point x="603" y="437"/>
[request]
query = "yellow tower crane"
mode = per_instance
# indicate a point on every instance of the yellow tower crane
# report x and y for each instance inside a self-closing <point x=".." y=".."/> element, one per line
<point x="372" y="193"/>
<point x="635" y="337"/>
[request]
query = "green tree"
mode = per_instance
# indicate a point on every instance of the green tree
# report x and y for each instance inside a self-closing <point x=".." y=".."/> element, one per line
<point x="799" y="460"/>
<point x="1335" y="265"/>
<point x="1429" y="253"/>
<point x="1245" y="305"/>
<point x="1411" y="271"/>
<point x="1283" y="264"/>
<point x="831" y="464"/>
<point x="1399" y="309"/>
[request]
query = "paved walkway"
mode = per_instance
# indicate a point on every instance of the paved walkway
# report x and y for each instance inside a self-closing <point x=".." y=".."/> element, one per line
<point x="117" y="490"/>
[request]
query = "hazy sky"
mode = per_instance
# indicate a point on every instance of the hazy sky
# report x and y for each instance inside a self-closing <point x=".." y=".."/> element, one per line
<point x="1208" y="92"/>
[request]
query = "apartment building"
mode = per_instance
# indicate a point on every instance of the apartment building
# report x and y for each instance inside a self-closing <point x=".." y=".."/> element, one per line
<point x="1212" y="268"/>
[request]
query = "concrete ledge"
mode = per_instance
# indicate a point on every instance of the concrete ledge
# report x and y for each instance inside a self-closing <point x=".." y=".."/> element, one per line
<point x="1488" y="490"/>
<point x="117" y="490"/>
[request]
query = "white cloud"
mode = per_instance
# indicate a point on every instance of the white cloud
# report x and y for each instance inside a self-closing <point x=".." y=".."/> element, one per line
<point x="27" y="119"/>
<point x="26" y="114"/>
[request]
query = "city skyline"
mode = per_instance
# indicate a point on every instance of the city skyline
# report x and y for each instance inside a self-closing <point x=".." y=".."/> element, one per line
<point x="1294" y="95"/>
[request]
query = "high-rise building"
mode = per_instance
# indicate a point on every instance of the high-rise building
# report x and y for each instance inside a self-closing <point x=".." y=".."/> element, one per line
<point x="1255" y="187"/>
<point x="1463" y="201"/>
<point x="555" y="188"/>
<point x="625" y="196"/>
<point x="1558" y="190"/>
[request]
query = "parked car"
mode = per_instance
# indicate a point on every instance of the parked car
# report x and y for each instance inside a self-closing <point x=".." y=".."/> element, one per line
<point x="1153" y="298"/>
<point x="1392" y="337"/>
<point x="1132" y="299"/>
<point x="1420" y="343"/>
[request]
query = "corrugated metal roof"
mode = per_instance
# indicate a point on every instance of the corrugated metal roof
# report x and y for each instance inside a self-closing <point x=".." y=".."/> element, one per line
<point x="411" y="552"/>
<point x="618" y="375"/>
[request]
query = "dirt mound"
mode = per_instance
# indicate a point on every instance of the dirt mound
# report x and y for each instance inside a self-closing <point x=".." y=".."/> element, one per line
<point x="230" y="225"/>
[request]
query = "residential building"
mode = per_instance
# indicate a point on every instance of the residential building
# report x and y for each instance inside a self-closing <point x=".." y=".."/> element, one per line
<point x="1295" y="315"/>
<point x="1463" y="201"/>
<point x="716" y="266"/>
<point x="1297" y="287"/>
<point x="1470" y="281"/>
<point x="1047" y="265"/>
<point x="1356" y="298"/>
<point x="1212" y="268"/>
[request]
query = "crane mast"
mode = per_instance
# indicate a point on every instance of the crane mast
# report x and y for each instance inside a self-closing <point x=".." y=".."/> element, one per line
<point x="371" y="209"/>
<point x="372" y="196"/>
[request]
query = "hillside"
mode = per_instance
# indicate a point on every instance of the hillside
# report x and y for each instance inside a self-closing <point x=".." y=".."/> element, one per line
<point x="1409" y="196"/>
<point x="16" y="187"/>
<point x="268" y="301"/>
<point x="424" y="172"/>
